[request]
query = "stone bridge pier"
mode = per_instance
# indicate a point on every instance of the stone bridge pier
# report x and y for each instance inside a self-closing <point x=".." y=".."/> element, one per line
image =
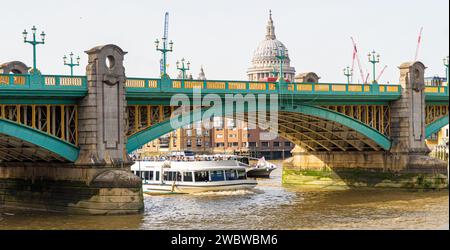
<point x="100" y="181"/>
<point x="405" y="165"/>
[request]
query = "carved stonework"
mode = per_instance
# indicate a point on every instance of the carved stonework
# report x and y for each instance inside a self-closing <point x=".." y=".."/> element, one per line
<point x="14" y="67"/>
<point x="103" y="111"/>
<point x="309" y="77"/>
<point x="408" y="113"/>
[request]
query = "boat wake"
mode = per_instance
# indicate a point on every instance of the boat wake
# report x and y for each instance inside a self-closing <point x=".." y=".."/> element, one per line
<point x="228" y="193"/>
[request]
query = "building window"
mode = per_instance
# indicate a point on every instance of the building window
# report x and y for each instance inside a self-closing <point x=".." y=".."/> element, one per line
<point x="219" y="136"/>
<point x="218" y="123"/>
<point x="276" y="144"/>
<point x="252" y="144"/>
<point x="231" y="124"/>
<point x="287" y="144"/>
<point x="189" y="143"/>
<point x="220" y="145"/>
<point x="265" y="144"/>
<point x="232" y="135"/>
<point x="434" y="137"/>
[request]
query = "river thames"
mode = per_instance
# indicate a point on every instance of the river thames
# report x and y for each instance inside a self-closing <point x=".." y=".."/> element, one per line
<point x="269" y="206"/>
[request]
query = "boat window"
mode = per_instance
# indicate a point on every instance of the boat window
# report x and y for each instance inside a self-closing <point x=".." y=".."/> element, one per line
<point x="157" y="176"/>
<point x="202" y="176"/>
<point x="146" y="175"/>
<point x="231" y="175"/>
<point x="178" y="176"/>
<point x="187" y="176"/>
<point x="169" y="176"/>
<point x="217" y="175"/>
<point x="138" y="174"/>
<point x="242" y="175"/>
<point x="150" y="175"/>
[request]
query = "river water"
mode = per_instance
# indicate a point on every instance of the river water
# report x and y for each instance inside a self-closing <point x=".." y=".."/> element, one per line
<point x="269" y="206"/>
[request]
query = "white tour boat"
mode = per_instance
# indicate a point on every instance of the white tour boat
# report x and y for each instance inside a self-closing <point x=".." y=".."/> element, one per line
<point x="159" y="177"/>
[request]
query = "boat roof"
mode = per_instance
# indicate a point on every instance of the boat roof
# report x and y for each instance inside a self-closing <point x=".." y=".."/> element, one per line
<point x="187" y="165"/>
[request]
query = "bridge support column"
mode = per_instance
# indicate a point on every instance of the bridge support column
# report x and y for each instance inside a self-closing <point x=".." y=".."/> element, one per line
<point x="100" y="181"/>
<point x="405" y="165"/>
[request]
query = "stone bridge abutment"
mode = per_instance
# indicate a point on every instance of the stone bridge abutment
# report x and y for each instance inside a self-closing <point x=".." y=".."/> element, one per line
<point x="100" y="181"/>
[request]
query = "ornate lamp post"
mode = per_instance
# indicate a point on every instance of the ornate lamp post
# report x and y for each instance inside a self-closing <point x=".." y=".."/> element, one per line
<point x="274" y="72"/>
<point x="183" y="68"/>
<point x="34" y="43"/>
<point x="281" y="55"/>
<point x="71" y="64"/>
<point x="164" y="50"/>
<point x="348" y="73"/>
<point x="374" y="59"/>
<point x="446" y="68"/>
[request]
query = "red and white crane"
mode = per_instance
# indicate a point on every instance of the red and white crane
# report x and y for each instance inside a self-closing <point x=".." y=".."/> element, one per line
<point x="419" y="43"/>
<point x="355" y="55"/>
<point x="381" y="73"/>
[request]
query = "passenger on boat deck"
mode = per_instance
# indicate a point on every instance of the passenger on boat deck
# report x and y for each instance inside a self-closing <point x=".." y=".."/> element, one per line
<point x="182" y="158"/>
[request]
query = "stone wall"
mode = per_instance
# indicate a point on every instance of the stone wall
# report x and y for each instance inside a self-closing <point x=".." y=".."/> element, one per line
<point x="69" y="189"/>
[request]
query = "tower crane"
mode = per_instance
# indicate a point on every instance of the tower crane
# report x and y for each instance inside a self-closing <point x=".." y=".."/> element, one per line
<point x="165" y="40"/>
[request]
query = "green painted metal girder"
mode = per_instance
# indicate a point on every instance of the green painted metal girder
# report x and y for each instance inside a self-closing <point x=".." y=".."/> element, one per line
<point x="43" y="93"/>
<point x="51" y="143"/>
<point x="39" y="101"/>
<point x="141" y="138"/>
<point x="436" y="126"/>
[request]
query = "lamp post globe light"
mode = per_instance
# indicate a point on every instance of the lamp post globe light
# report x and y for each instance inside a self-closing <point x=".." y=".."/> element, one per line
<point x="34" y="43"/>
<point x="281" y="54"/>
<point x="183" y="68"/>
<point x="374" y="58"/>
<point x="446" y="68"/>
<point x="71" y="64"/>
<point x="348" y="73"/>
<point x="164" y="50"/>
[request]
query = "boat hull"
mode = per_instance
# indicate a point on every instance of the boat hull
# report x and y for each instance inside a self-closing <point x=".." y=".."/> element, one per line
<point x="260" y="172"/>
<point x="190" y="189"/>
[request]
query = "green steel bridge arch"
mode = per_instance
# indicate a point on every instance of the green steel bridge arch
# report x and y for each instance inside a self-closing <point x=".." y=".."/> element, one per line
<point x="362" y="134"/>
<point x="436" y="126"/>
<point x="22" y="143"/>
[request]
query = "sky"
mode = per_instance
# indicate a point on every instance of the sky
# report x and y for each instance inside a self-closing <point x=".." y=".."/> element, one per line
<point x="222" y="35"/>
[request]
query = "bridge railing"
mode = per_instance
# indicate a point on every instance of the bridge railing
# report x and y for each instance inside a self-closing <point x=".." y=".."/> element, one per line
<point x="16" y="81"/>
<point x="144" y="85"/>
<point x="436" y="90"/>
<point x="222" y="86"/>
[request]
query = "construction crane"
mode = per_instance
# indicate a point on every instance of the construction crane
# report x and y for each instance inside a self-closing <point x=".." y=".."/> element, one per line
<point x="419" y="42"/>
<point x="165" y="40"/>
<point x="381" y="73"/>
<point x="355" y="55"/>
<point x="366" y="79"/>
